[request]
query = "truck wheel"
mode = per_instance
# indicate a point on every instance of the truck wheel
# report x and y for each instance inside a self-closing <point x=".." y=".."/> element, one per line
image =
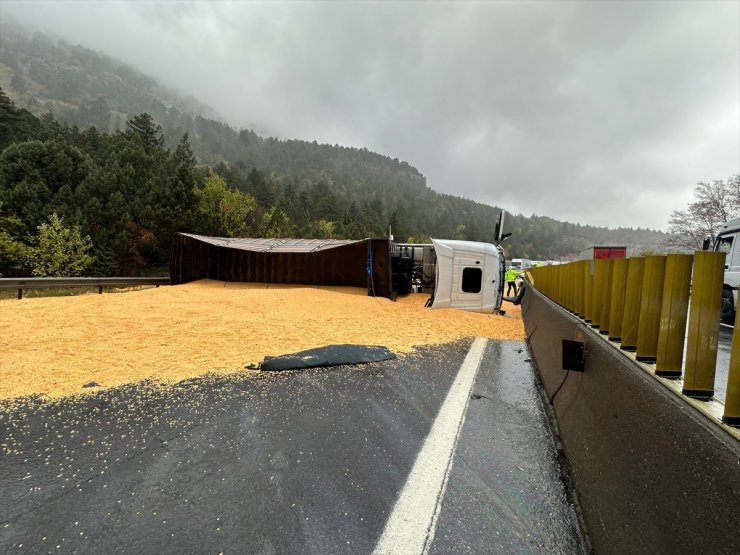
<point x="728" y="307"/>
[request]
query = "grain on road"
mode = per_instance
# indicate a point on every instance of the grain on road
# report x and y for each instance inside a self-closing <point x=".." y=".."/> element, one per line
<point x="53" y="346"/>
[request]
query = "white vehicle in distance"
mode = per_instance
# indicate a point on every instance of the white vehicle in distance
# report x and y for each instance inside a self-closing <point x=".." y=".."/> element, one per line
<point x="728" y="241"/>
<point x="520" y="264"/>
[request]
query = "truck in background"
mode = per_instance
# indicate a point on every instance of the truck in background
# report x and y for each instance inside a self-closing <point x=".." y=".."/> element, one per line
<point x="521" y="264"/>
<point x="603" y="252"/>
<point x="728" y="241"/>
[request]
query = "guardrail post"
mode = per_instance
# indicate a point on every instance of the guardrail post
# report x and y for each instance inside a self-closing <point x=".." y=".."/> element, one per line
<point x="579" y="287"/>
<point x="619" y="288"/>
<point x="632" y="296"/>
<point x="598" y="293"/>
<point x="561" y="285"/>
<point x="572" y="286"/>
<point x="732" y="400"/>
<point x="551" y="288"/>
<point x="588" y="290"/>
<point x="673" y="313"/>
<point x="706" y="311"/>
<point x="20" y="294"/>
<point x="606" y="294"/>
<point x="650" y="302"/>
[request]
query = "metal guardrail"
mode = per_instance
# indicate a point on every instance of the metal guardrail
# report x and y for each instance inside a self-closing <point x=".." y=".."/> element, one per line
<point x="100" y="282"/>
<point x="653" y="306"/>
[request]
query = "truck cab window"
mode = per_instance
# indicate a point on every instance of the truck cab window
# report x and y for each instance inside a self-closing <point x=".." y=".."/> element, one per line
<point x="724" y="244"/>
<point x="471" y="280"/>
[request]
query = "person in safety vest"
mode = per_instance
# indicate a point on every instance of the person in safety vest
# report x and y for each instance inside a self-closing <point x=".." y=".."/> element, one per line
<point x="511" y="280"/>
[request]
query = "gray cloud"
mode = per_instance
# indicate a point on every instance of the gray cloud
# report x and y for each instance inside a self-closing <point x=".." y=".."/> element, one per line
<point x="605" y="113"/>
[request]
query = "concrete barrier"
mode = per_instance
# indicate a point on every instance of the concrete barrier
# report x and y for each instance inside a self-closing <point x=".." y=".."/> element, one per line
<point x="653" y="474"/>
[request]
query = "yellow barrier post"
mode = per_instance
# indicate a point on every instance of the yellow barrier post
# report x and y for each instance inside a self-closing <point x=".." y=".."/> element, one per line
<point x="632" y="296"/>
<point x="543" y="278"/>
<point x="572" y="278"/>
<point x="650" y="302"/>
<point x="673" y="313"/>
<point x="706" y="312"/>
<point x="732" y="400"/>
<point x="588" y="287"/>
<point x="606" y="295"/>
<point x="616" y="306"/>
<point x="564" y="287"/>
<point x="598" y="290"/>
<point x="573" y="286"/>
<point x="579" y="287"/>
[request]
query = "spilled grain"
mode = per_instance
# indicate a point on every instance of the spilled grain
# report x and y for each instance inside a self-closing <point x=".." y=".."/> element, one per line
<point x="53" y="346"/>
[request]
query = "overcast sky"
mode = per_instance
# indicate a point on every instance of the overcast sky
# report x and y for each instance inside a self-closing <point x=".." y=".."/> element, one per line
<point x="593" y="112"/>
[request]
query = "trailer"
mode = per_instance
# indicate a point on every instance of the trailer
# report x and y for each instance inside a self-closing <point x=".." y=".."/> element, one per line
<point x="467" y="275"/>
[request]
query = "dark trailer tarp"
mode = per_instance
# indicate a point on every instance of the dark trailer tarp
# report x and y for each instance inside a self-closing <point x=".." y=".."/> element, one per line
<point x="364" y="263"/>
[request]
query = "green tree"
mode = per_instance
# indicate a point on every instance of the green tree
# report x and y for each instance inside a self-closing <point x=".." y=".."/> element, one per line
<point x="261" y="189"/>
<point x="16" y="124"/>
<point x="323" y="229"/>
<point x="224" y="211"/>
<point x="143" y="129"/>
<point x="174" y="195"/>
<point x="15" y="255"/>
<point x="33" y="177"/>
<point x="236" y="210"/>
<point x="276" y="224"/>
<point x="60" y="251"/>
<point x="208" y="198"/>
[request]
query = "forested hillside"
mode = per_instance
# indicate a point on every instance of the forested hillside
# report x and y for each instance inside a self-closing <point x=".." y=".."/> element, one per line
<point x="129" y="162"/>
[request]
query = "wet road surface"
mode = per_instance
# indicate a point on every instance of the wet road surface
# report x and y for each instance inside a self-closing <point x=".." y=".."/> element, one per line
<point x="296" y="462"/>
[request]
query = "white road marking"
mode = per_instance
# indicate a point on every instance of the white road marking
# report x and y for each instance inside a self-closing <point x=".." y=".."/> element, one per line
<point x="411" y="526"/>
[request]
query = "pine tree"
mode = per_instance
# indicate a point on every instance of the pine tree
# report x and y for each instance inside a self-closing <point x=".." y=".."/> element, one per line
<point x="143" y="129"/>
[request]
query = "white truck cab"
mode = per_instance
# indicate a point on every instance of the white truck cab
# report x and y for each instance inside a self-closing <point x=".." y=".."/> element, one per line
<point x="469" y="276"/>
<point x="728" y="241"/>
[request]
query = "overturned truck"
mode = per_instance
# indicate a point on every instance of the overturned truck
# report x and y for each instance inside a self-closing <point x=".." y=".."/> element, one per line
<point x="466" y="274"/>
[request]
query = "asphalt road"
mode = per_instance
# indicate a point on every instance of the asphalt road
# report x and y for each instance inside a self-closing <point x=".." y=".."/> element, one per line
<point x="296" y="462"/>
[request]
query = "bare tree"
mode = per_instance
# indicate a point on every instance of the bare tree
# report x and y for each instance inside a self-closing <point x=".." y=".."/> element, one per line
<point x="734" y="185"/>
<point x="714" y="204"/>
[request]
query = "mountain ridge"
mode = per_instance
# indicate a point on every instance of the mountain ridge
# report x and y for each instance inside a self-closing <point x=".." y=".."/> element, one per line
<point x="41" y="75"/>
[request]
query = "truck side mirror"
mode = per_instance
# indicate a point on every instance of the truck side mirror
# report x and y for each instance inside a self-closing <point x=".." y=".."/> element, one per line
<point x="705" y="244"/>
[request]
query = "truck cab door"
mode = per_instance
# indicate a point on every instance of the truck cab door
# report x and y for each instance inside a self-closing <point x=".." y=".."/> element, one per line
<point x="467" y="285"/>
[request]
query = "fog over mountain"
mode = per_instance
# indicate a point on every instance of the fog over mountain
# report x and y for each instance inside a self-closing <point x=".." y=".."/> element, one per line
<point x="605" y="113"/>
